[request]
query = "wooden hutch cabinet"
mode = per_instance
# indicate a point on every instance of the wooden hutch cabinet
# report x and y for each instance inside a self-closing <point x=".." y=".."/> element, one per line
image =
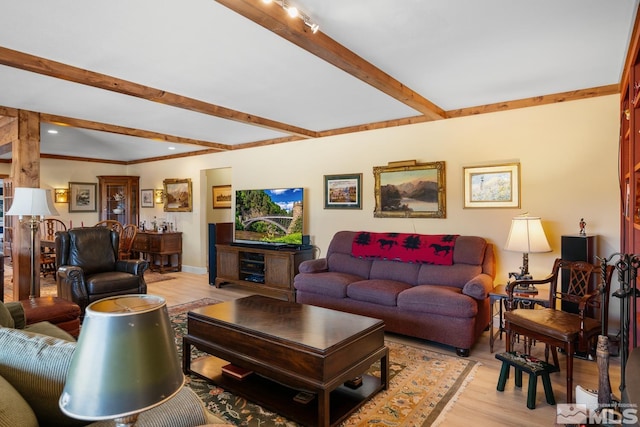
<point x="119" y="198"/>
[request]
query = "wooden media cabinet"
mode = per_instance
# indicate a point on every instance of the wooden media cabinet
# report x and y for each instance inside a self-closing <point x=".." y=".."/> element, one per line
<point x="262" y="269"/>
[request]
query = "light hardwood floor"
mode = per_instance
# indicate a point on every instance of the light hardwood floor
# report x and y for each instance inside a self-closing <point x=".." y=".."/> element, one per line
<point x="479" y="403"/>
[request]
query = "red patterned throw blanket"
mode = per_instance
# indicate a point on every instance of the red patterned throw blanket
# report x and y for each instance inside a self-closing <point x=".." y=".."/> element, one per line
<point x="406" y="247"/>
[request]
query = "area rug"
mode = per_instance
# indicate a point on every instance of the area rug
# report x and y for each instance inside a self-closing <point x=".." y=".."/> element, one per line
<point x="48" y="284"/>
<point x="424" y="384"/>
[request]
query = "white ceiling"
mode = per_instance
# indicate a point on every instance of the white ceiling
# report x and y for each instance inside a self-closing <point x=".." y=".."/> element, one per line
<point x="455" y="53"/>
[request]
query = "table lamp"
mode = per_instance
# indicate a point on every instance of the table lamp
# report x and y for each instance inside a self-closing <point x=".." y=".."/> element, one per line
<point x="125" y="361"/>
<point x="36" y="203"/>
<point x="526" y="236"/>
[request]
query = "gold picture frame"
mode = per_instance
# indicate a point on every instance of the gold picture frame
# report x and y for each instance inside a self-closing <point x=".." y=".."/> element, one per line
<point x="221" y="196"/>
<point x="410" y="191"/>
<point x="492" y="186"/>
<point x="178" y="195"/>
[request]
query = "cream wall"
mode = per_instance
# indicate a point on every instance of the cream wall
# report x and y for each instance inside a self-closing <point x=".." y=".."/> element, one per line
<point x="568" y="154"/>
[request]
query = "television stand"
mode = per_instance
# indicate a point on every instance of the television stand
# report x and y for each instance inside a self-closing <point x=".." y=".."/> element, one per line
<point x="262" y="269"/>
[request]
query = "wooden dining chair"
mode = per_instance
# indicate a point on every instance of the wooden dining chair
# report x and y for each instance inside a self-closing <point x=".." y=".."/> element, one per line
<point x="127" y="237"/>
<point x="112" y="225"/>
<point x="48" y="229"/>
<point x="561" y="329"/>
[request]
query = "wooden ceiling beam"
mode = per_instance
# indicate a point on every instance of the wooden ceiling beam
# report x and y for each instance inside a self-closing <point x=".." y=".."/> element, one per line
<point x="24" y="61"/>
<point x="121" y="130"/>
<point x="275" y="19"/>
<point x="8" y="133"/>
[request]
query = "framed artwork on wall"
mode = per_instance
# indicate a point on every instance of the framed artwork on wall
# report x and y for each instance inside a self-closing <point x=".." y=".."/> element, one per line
<point x="343" y="191"/>
<point x="178" y="195"/>
<point x="83" y="197"/>
<point x="493" y="186"/>
<point x="146" y="198"/>
<point x="221" y="196"/>
<point x="410" y="190"/>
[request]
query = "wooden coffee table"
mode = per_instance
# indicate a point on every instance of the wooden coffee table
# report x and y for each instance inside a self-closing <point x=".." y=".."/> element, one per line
<point x="290" y="347"/>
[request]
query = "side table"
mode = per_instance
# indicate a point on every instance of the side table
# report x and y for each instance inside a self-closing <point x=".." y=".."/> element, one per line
<point x="524" y="300"/>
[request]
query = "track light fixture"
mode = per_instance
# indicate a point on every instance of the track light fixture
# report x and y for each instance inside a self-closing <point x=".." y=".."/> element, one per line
<point x="294" y="12"/>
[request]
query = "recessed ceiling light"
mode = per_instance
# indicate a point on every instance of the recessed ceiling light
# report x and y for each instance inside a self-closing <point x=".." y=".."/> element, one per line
<point x="53" y="131"/>
<point x="172" y="148"/>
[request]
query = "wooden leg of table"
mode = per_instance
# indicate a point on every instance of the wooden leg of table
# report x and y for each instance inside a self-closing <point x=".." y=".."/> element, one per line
<point x="324" y="419"/>
<point x="384" y="370"/>
<point x="186" y="356"/>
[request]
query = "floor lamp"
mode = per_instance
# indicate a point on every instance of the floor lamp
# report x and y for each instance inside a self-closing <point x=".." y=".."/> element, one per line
<point x="36" y="203"/>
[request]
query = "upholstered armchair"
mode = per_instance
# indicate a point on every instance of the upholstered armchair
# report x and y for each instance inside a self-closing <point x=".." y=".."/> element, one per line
<point x="89" y="268"/>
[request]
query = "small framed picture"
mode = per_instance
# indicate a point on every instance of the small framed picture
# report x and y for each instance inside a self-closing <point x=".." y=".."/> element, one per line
<point x="82" y="197"/>
<point x="221" y="196"/>
<point x="494" y="186"/>
<point x="146" y="198"/>
<point x="343" y="191"/>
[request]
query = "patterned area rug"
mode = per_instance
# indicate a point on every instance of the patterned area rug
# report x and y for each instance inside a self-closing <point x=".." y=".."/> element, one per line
<point x="424" y="384"/>
<point x="48" y="283"/>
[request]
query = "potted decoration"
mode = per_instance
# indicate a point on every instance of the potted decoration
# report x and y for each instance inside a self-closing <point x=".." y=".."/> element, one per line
<point x="119" y="197"/>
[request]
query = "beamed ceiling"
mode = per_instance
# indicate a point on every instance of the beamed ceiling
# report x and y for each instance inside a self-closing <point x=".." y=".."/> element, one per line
<point x="123" y="81"/>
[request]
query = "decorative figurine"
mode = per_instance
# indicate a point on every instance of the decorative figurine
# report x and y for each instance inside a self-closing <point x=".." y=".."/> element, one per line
<point x="583" y="225"/>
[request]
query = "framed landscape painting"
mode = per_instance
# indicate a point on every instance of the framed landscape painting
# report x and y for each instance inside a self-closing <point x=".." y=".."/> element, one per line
<point x="178" y="196"/>
<point x="410" y="191"/>
<point x="82" y="197"/>
<point x="495" y="186"/>
<point x="343" y="191"/>
<point x="221" y="196"/>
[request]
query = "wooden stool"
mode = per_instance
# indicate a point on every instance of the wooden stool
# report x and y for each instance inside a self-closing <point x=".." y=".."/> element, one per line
<point x="59" y="311"/>
<point x="532" y="366"/>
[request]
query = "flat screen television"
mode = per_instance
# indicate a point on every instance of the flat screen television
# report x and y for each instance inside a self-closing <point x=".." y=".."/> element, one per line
<point x="269" y="216"/>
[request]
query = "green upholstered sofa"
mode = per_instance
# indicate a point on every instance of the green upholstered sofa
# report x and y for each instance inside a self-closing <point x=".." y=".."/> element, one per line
<point x="34" y="361"/>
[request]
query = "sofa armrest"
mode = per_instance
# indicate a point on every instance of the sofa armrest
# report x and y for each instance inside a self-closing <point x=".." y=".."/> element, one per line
<point x="478" y="287"/>
<point x="313" y="266"/>
<point x="185" y="409"/>
<point x="70" y="281"/>
<point x="133" y="266"/>
<point x="12" y="315"/>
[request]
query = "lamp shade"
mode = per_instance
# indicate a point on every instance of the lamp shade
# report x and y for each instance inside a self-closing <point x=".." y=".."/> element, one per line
<point x="527" y="235"/>
<point x="32" y="201"/>
<point x="125" y="361"/>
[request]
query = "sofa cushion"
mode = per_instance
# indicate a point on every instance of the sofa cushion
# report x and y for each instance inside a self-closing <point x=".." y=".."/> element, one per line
<point x="36" y="365"/>
<point x="443" y="300"/>
<point x="469" y="250"/>
<point x="394" y="270"/>
<point x="111" y="282"/>
<point x="14" y="410"/>
<point x="49" y="329"/>
<point x="449" y="275"/>
<point x="345" y="263"/>
<point x="383" y="292"/>
<point x="331" y="284"/>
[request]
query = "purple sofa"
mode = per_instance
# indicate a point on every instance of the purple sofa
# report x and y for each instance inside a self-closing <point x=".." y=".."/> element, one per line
<point x="448" y="304"/>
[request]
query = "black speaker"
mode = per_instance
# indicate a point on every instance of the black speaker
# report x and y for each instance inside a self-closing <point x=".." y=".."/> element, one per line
<point x="306" y="240"/>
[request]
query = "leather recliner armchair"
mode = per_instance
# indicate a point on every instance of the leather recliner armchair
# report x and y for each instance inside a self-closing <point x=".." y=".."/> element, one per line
<point x="88" y="268"/>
